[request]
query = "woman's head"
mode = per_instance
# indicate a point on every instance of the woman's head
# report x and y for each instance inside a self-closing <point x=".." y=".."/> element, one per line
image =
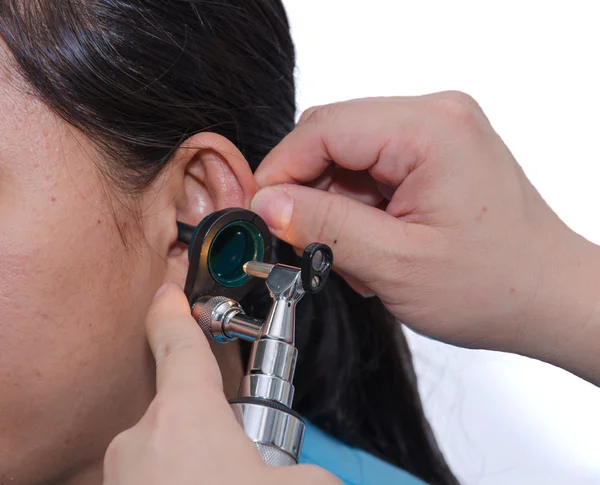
<point x="121" y="117"/>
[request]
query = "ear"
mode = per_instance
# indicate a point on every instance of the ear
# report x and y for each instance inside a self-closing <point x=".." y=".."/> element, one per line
<point x="207" y="173"/>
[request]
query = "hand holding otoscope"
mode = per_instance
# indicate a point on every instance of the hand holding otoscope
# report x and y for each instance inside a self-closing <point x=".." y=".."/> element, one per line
<point x="427" y="209"/>
<point x="226" y="251"/>
<point x="229" y="254"/>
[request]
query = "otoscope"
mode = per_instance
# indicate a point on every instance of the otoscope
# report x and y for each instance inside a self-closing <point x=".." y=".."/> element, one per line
<point x="230" y="253"/>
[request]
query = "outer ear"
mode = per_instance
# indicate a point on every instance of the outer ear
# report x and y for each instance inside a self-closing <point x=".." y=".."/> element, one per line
<point x="207" y="173"/>
<point x="214" y="176"/>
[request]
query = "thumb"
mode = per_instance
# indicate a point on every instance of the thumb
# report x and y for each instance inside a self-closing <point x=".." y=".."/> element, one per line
<point x="364" y="239"/>
<point x="184" y="361"/>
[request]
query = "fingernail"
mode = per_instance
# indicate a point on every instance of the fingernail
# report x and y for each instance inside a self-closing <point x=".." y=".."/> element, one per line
<point x="275" y="206"/>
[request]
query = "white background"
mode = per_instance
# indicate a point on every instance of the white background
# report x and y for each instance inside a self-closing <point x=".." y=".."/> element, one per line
<point x="534" y="68"/>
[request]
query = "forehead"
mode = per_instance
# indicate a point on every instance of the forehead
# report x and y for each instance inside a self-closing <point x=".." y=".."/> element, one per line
<point x="33" y="139"/>
<point x="25" y="117"/>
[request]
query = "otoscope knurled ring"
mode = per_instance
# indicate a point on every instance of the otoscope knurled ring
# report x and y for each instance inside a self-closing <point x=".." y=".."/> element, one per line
<point x="205" y="315"/>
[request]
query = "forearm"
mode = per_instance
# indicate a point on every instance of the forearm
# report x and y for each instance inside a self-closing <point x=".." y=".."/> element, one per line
<point x="563" y="327"/>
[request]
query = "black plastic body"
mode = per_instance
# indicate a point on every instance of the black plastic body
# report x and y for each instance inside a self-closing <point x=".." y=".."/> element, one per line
<point x="185" y="232"/>
<point x="199" y="280"/>
<point x="314" y="279"/>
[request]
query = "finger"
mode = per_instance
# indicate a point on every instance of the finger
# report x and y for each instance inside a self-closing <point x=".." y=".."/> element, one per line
<point x="184" y="361"/>
<point x="363" y="238"/>
<point x="357" y="285"/>
<point x="358" y="185"/>
<point x="387" y="137"/>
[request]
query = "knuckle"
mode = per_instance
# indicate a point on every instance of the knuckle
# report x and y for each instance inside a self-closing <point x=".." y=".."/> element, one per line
<point x="317" y="114"/>
<point x="321" y="218"/>
<point x="331" y="216"/>
<point x="157" y="412"/>
<point x="308" y="114"/>
<point x="165" y="349"/>
<point x="462" y="98"/>
<point x="459" y="109"/>
<point x="163" y="417"/>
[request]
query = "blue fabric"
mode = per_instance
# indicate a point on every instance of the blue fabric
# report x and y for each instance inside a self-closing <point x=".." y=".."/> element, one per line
<point x="350" y="465"/>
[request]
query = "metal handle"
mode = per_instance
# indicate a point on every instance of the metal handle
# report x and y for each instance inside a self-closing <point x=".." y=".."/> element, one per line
<point x="277" y="431"/>
<point x="274" y="456"/>
<point x="263" y="407"/>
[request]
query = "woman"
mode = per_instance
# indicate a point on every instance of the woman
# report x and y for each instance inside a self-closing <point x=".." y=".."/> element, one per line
<point x="120" y="118"/>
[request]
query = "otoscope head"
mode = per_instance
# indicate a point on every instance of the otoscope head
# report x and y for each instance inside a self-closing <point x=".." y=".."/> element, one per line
<point x="218" y="249"/>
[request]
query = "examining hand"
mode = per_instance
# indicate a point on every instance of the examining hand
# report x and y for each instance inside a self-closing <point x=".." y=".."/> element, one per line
<point x="426" y="207"/>
<point x="189" y="434"/>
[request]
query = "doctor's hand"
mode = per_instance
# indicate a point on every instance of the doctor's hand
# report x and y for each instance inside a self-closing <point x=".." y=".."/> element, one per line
<point x="189" y="434"/>
<point x="426" y="208"/>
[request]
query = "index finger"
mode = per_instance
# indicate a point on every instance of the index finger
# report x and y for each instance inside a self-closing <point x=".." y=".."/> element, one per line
<point x="184" y="361"/>
<point x="382" y="135"/>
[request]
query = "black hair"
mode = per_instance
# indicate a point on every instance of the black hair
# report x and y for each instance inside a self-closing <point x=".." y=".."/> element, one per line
<point x="141" y="76"/>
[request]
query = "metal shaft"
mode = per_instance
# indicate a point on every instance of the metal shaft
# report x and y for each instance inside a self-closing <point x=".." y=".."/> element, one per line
<point x="223" y="320"/>
<point x="258" y="270"/>
<point x="243" y="327"/>
<point x="278" y="434"/>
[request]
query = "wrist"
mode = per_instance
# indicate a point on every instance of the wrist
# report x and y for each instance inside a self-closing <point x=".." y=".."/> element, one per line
<point x="562" y="326"/>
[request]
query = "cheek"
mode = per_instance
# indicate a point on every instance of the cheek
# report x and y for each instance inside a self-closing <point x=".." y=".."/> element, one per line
<point x="70" y="306"/>
<point x="74" y="364"/>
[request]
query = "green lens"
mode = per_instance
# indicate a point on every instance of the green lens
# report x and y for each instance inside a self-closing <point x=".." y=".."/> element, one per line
<point x="234" y="245"/>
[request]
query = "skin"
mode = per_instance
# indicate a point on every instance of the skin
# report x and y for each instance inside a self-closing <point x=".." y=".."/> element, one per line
<point x="75" y="366"/>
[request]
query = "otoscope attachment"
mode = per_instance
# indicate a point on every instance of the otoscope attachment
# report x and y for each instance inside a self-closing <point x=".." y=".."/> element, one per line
<point x="223" y="320"/>
<point x="219" y="247"/>
<point x="185" y="233"/>
<point x="317" y="262"/>
<point x="229" y="253"/>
